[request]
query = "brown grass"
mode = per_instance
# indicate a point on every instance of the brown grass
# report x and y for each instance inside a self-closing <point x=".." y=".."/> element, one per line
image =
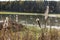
<point x="30" y="33"/>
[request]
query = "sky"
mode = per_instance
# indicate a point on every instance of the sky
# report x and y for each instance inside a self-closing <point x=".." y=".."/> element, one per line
<point x="7" y="0"/>
<point x="29" y="0"/>
<point x="53" y="0"/>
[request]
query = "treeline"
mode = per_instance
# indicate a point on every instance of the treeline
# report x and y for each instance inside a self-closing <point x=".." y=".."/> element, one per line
<point x="27" y="6"/>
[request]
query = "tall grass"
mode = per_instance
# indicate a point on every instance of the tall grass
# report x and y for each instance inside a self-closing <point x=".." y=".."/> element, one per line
<point x="30" y="33"/>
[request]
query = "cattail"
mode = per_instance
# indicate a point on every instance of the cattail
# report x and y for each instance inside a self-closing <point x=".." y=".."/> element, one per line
<point x="16" y="18"/>
<point x="6" y="22"/>
<point x="38" y="21"/>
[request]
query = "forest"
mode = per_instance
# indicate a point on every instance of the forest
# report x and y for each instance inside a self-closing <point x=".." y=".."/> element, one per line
<point x="28" y="6"/>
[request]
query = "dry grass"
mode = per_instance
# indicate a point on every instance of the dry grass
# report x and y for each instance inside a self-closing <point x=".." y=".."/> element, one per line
<point x="30" y="33"/>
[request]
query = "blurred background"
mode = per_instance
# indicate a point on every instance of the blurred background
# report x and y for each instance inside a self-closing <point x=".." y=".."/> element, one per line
<point x="30" y="6"/>
<point x="38" y="7"/>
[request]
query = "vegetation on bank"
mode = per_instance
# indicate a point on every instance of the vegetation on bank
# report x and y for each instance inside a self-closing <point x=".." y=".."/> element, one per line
<point x="30" y="33"/>
<point x="29" y="6"/>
